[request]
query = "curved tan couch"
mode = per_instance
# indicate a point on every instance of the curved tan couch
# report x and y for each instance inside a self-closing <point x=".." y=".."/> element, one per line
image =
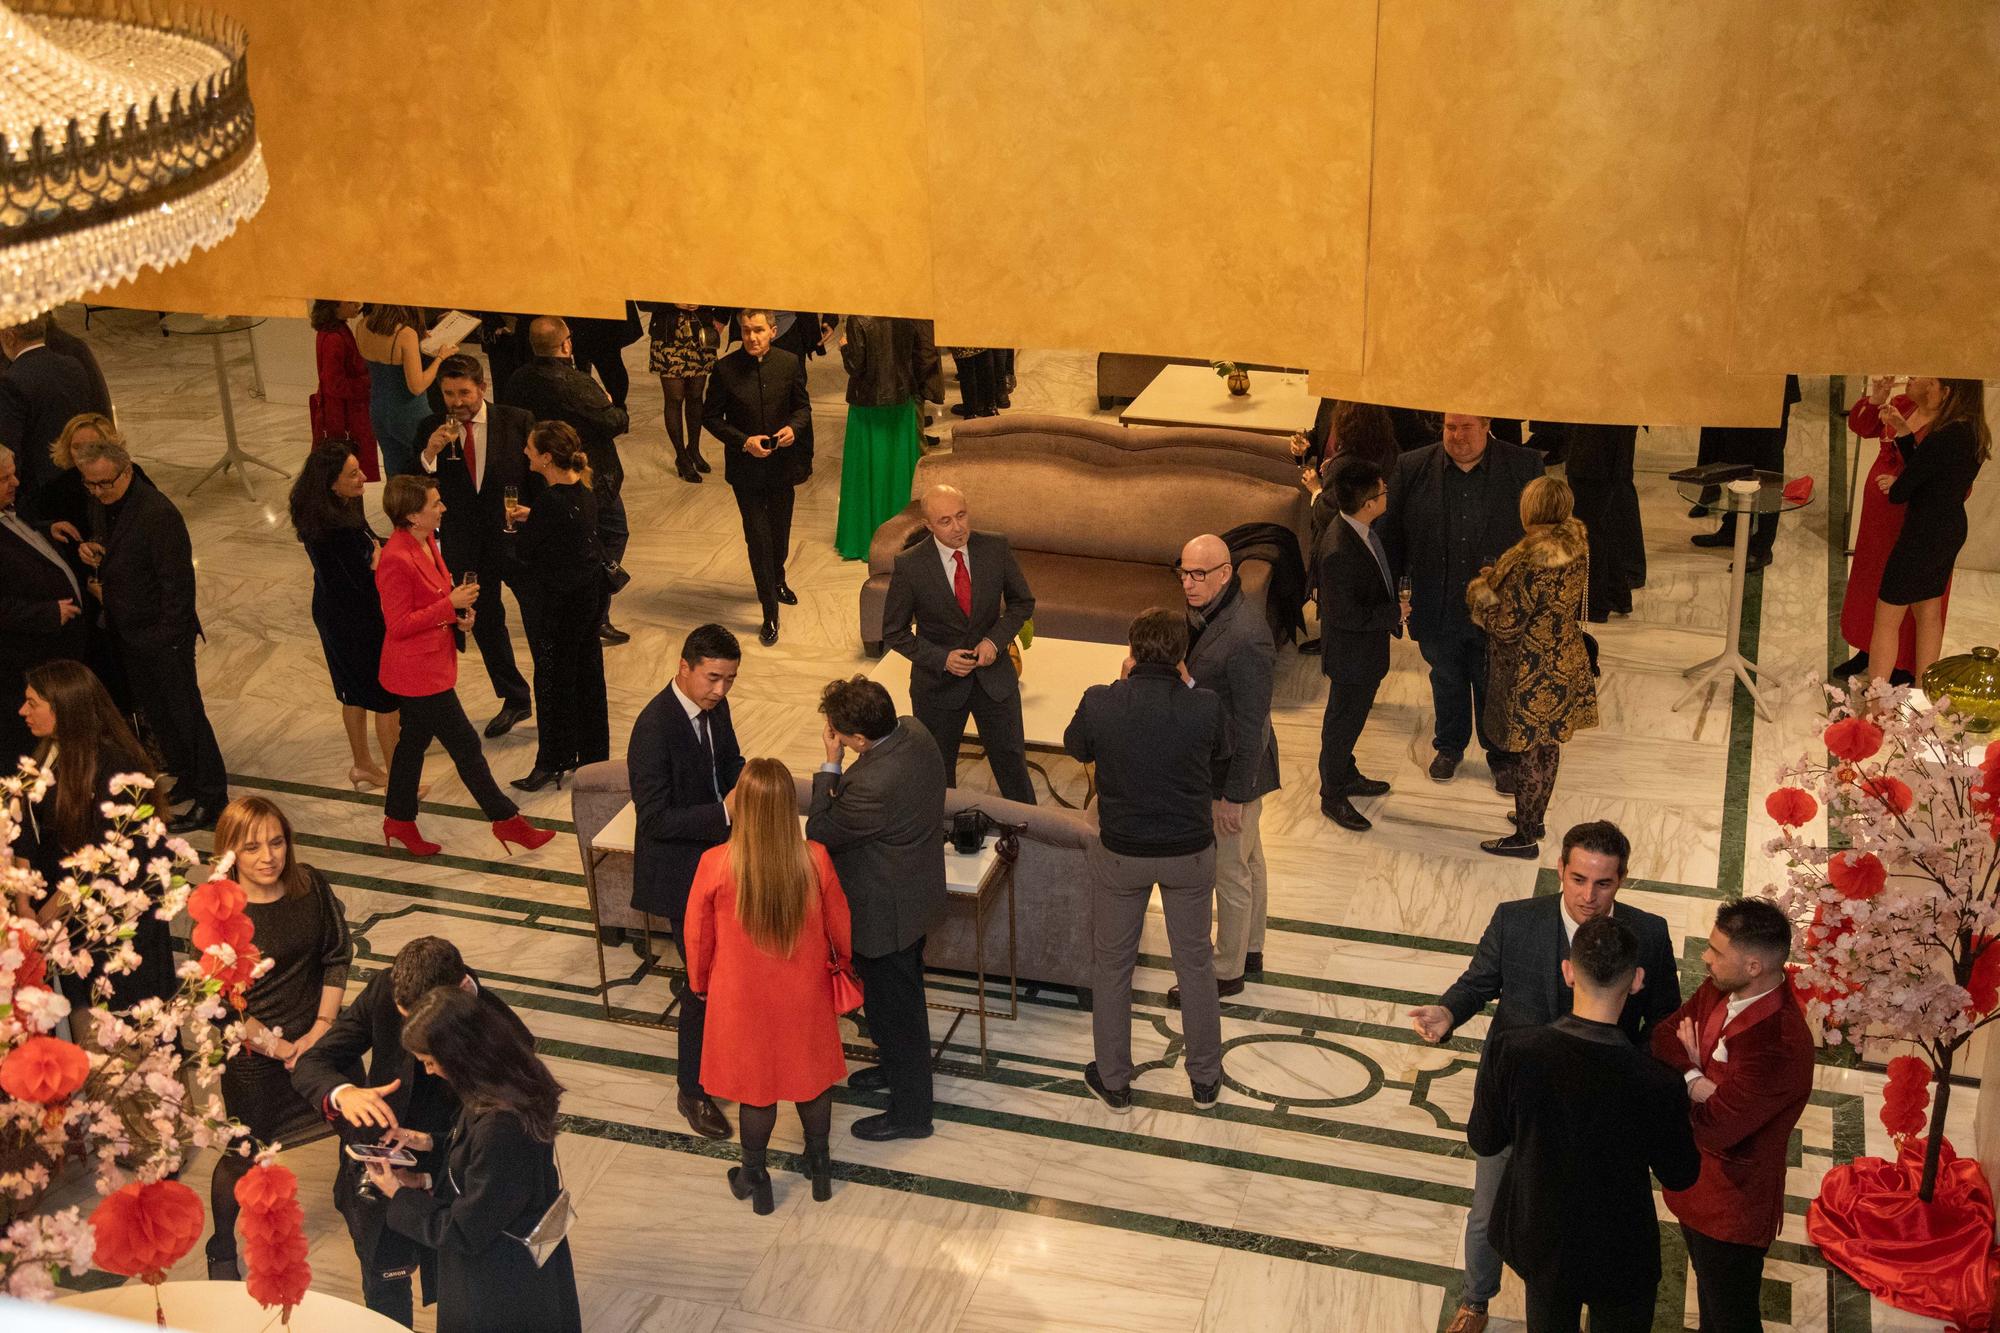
<point x="1107" y="444"/>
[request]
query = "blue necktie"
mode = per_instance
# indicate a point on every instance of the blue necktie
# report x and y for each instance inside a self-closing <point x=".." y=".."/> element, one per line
<point x="1381" y="560"/>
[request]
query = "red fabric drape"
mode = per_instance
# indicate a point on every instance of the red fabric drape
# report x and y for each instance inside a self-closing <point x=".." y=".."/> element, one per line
<point x="1933" y="1259"/>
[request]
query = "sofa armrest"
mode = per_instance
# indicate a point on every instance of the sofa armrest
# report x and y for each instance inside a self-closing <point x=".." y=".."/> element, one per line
<point x="892" y="537"/>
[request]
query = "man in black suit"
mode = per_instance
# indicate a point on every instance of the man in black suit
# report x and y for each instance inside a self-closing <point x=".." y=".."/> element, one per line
<point x="1454" y="506"/>
<point x="758" y="407"/>
<point x="1762" y="447"/>
<point x="41" y="611"/>
<point x="474" y="468"/>
<point x="40" y="390"/>
<point x="397" y="1103"/>
<point x="549" y="388"/>
<point x="144" y="567"/>
<point x="682" y="762"/>
<point x="1585" y="1119"/>
<point x="967" y="597"/>
<point x="1598" y="465"/>
<point x="1519" y="962"/>
<point x="883" y="822"/>
<point x="1358" y="614"/>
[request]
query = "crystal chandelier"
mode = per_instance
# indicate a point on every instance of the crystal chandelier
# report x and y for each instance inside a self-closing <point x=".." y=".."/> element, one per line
<point x="124" y="144"/>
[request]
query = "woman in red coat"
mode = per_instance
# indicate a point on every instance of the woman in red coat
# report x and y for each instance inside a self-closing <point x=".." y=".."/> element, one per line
<point x="424" y="617"/>
<point x="340" y="408"/>
<point x="1881" y="522"/>
<point x="766" y="921"/>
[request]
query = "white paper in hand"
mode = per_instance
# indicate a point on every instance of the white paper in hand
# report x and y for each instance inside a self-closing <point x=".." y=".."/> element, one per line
<point x="454" y="327"/>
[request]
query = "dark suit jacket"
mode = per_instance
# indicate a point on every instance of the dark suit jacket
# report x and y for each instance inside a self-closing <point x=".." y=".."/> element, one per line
<point x="1593" y="453"/>
<point x="148" y="572"/>
<point x="919" y="592"/>
<point x="549" y="388"/>
<point x="1357" y="611"/>
<point x="752" y="396"/>
<point x="883" y="822"/>
<point x="39" y="392"/>
<point x="31" y="628"/>
<point x="679" y="804"/>
<point x="1412" y="530"/>
<point x="1236" y="658"/>
<point x="474" y="521"/>
<point x="1519" y="962"/>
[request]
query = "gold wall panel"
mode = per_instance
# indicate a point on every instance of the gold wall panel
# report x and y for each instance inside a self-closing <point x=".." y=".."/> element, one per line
<point x="1133" y="176"/>
<point x="1559" y="193"/>
<point x="1874" y="235"/>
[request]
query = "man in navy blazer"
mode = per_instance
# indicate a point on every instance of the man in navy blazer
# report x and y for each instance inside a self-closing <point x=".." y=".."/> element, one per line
<point x="1358" y="614"/>
<point x="682" y="762"/>
<point x="1519" y="963"/>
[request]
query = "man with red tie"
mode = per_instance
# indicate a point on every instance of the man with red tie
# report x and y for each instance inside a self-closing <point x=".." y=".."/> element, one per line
<point x="966" y="597"/>
<point x="1744" y="1048"/>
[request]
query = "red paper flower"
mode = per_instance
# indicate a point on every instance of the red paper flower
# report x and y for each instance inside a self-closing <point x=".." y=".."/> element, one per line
<point x="274" y="1241"/>
<point x="287" y="1286"/>
<point x="1892" y="792"/>
<point x="1790" y="806"/>
<point x="1905" y="1096"/>
<point x="217" y="899"/>
<point x="1857" y="874"/>
<point x="1983" y="983"/>
<point x="1853" y="739"/>
<point x="33" y="973"/>
<point x="43" y="1070"/>
<point x="234" y="931"/>
<point x="143" y="1230"/>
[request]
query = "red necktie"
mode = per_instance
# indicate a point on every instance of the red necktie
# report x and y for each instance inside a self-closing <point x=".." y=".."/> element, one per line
<point x="471" y="456"/>
<point x="961" y="585"/>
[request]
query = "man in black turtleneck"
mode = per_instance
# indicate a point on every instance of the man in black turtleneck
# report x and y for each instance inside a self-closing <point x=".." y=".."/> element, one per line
<point x="758" y="408"/>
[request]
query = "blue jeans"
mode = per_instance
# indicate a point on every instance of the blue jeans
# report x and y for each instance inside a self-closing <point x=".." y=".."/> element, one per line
<point x="1456" y="655"/>
<point x="1482" y="1261"/>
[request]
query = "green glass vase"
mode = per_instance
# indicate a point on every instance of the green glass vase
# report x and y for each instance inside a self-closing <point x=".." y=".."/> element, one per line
<point x="1972" y="681"/>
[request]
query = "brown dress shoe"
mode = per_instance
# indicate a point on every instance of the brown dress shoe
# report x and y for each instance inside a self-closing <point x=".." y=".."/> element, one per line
<point x="1467" y="1321"/>
<point x="704" y="1117"/>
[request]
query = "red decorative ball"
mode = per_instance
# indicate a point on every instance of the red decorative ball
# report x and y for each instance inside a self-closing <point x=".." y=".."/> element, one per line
<point x="43" y="1070"/>
<point x="1857" y="874"/>
<point x="1791" y="806"/>
<point x="1853" y="739"/>
<point x="143" y="1230"/>
<point x="1891" y="792"/>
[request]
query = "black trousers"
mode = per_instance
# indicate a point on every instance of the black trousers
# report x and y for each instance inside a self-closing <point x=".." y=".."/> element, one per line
<point x="167" y="689"/>
<point x="1347" y="706"/>
<point x="979" y="382"/>
<point x="767" y="533"/>
<point x="1610" y="514"/>
<point x="1761" y="447"/>
<point x="1552" y="1311"/>
<point x="575" y="726"/>
<point x="1000" y="732"/>
<point x="496" y="648"/>
<point x="607" y="487"/>
<point x="1728" y="1282"/>
<point x="694" y="1020"/>
<point x="439" y="716"/>
<point x="1456" y="655"/>
<point x="892" y="1002"/>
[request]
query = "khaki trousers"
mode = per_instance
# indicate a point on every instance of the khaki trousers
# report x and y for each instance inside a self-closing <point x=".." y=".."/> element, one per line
<point x="1241" y="894"/>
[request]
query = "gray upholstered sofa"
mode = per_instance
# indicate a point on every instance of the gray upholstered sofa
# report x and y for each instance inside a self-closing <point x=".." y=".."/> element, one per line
<point x="1106" y="444"/>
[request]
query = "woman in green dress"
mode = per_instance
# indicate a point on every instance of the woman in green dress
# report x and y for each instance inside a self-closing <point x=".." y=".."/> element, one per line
<point x="891" y="363"/>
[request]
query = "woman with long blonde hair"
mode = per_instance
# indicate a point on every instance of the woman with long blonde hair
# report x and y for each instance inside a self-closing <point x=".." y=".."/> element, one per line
<point x="766" y="926"/>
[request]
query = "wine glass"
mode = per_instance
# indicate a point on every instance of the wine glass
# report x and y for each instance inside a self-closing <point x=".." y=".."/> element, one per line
<point x="509" y="497"/>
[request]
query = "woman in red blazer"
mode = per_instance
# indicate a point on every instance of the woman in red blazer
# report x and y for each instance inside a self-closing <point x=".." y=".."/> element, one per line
<point x="340" y="408"/>
<point x="424" y="616"/>
<point x="765" y="921"/>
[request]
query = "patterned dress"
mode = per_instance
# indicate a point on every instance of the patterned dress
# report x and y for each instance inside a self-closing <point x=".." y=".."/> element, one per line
<point x="684" y="343"/>
<point x="1539" y="690"/>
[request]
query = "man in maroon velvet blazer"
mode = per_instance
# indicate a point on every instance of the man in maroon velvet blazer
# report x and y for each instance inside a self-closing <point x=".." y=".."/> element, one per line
<point x="1743" y="1045"/>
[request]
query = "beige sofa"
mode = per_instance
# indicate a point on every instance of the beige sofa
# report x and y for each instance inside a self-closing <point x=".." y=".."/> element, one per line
<point x="1097" y="542"/>
<point x="1052" y="894"/>
<point x="1268" y="457"/>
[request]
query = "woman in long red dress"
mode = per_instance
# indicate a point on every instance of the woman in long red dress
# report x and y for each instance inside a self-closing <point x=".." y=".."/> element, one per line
<point x="1881" y="523"/>
<point x="340" y="410"/>
<point x="766" y="921"/>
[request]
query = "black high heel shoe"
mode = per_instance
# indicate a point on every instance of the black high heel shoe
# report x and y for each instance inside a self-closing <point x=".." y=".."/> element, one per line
<point x="539" y="778"/>
<point x="752" y="1183"/>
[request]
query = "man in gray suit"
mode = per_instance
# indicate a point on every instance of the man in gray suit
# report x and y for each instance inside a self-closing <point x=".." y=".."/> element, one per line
<point x="968" y="599"/>
<point x="883" y="821"/>
<point x="1519" y="962"/>
<point x="1230" y="652"/>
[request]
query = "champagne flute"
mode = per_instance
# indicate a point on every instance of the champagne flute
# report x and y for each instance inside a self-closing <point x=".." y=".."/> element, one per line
<point x="455" y="432"/>
<point x="1403" y="597"/>
<point x="509" y="497"/>
<point x="467" y="579"/>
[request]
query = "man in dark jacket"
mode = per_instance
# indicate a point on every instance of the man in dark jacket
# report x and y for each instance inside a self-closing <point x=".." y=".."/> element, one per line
<point x="683" y="761"/>
<point x="882" y="821"/>
<point x="1230" y="651"/>
<point x="1358" y="614"/>
<point x="1454" y="506"/>
<point x="1599" y="470"/>
<point x="144" y="567"/>
<point x="1156" y="744"/>
<point x="40" y="390"/>
<point x="550" y="388"/>
<point x="41" y="610"/>
<point x="758" y="407"/>
<point x="1585" y="1119"/>
<point x="1519" y="962"/>
<point x="1762" y="447"/>
<point x="394" y="1102"/>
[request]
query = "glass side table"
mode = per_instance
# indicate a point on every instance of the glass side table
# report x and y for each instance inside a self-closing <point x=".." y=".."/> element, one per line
<point x="1761" y="493"/>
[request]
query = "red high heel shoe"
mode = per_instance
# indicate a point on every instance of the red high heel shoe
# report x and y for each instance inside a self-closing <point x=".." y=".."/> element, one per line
<point x="406" y="832"/>
<point x="519" y="830"/>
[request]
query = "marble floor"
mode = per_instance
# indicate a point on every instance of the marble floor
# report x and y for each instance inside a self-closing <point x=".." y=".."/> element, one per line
<point x="1329" y="1189"/>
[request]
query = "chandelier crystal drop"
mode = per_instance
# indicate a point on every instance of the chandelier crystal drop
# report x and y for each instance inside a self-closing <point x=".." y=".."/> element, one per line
<point x="126" y="143"/>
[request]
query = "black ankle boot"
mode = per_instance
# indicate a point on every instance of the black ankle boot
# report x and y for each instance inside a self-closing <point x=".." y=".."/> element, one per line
<point x="1853" y="666"/>
<point x="752" y="1183"/>
<point x="819" y="1166"/>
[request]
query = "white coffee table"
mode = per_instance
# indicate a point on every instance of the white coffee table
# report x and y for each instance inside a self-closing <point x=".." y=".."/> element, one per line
<point x="216" y="1307"/>
<point x="1278" y="402"/>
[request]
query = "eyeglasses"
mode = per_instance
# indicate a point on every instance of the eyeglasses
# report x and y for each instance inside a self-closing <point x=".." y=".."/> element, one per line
<point x="107" y="483"/>
<point x="1186" y="575"/>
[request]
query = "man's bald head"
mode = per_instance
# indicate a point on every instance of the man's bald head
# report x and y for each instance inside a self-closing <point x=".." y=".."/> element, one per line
<point x="946" y="515"/>
<point x="548" y="335"/>
<point x="1205" y="569"/>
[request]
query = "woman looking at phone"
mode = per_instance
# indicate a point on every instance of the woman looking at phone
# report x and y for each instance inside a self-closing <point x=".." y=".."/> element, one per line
<point x="425" y="615"/>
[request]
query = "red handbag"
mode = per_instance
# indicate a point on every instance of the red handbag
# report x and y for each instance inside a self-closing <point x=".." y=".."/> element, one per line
<point x="846" y="986"/>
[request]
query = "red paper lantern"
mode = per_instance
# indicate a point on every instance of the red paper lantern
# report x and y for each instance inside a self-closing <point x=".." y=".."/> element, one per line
<point x="1852" y="739"/>
<point x="217" y="899"/>
<point x="1790" y="806"/>
<point x="274" y="1241"/>
<point x="1857" y="874"/>
<point x="143" y="1230"/>
<point x="43" y="1070"/>
<point x="1906" y="1096"/>
<point x="234" y="931"/>
<point x="1891" y="792"/>
<point x="1983" y="983"/>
